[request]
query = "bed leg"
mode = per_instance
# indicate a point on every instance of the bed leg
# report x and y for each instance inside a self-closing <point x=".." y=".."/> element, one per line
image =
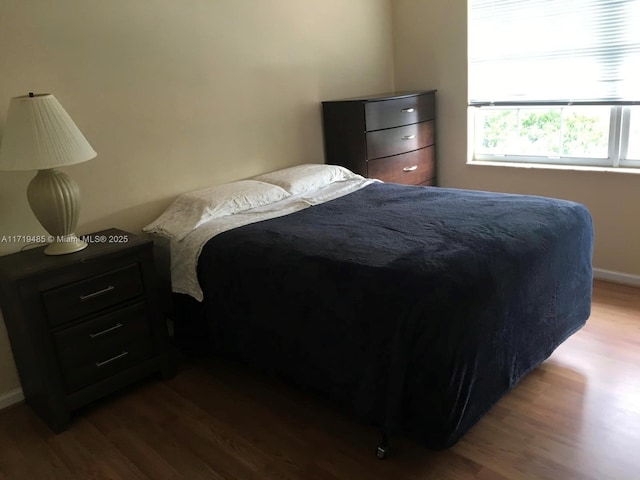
<point x="383" y="449"/>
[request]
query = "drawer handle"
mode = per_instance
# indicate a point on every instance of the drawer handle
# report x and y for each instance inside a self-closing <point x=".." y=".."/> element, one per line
<point x="112" y="359"/>
<point x="97" y="334"/>
<point x="410" y="169"/>
<point x="89" y="296"/>
<point x="408" y="110"/>
<point x="408" y="137"/>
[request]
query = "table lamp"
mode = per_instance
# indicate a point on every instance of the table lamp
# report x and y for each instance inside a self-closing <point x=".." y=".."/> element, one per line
<point x="40" y="135"/>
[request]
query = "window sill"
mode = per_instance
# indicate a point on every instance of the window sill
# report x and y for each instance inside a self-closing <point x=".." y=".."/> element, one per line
<point x="548" y="166"/>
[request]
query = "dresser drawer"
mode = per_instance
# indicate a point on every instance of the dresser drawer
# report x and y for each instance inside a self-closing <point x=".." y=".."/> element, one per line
<point x="413" y="168"/>
<point x="105" y="364"/>
<point x="429" y="183"/>
<point x="102" y="334"/>
<point x="394" y="141"/>
<point x="92" y="294"/>
<point x="361" y="129"/>
<point x="399" y="111"/>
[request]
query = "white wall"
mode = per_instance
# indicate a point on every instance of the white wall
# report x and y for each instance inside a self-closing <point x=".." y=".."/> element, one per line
<point x="176" y="95"/>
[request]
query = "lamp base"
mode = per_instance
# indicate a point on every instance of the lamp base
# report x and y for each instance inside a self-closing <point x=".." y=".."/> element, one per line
<point x="54" y="199"/>
<point x="66" y="244"/>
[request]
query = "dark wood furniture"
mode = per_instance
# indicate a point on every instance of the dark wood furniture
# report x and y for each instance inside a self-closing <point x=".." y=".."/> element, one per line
<point x="85" y="324"/>
<point x="390" y="136"/>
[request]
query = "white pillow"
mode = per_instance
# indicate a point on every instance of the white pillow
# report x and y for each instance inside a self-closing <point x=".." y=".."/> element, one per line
<point x="307" y="177"/>
<point x="192" y="209"/>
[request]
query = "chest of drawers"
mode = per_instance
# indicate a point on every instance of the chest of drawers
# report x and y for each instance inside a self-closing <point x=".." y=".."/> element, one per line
<point x="82" y="325"/>
<point x="390" y="137"/>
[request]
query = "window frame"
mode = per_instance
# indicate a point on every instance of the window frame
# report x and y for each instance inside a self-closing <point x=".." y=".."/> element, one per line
<point x="618" y="141"/>
<point x="595" y="66"/>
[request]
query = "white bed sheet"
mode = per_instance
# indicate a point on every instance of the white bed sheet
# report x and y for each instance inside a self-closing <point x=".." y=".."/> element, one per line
<point x="185" y="253"/>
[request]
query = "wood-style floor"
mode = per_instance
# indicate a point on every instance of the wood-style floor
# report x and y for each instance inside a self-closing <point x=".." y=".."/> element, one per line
<point x="575" y="417"/>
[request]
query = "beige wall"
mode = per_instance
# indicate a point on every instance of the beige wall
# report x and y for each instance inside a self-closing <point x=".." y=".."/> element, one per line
<point x="430" y="51"/>
<point x="176" y="95"/>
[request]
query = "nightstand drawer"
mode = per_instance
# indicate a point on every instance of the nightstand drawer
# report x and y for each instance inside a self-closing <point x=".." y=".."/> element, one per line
<point x="399" y="111"/>
<point x="92" y="294"/>
<point x="105" y="364"/>
<point x="101" y="335"/>
<point x="399" y="140"/>
<point x="411" y="168"/>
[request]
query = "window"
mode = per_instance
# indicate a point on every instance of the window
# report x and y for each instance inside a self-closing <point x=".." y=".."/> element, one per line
<point x="555" y="81"/>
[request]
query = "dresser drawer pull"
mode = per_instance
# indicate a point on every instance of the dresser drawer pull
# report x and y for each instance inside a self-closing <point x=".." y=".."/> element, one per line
<point x="112" y="359"/>
<point x="410" y="169"/>
<point x="408" y="110"/>
<point x="97" y="334"/>
<point x="408" y="137"/>
<point x="89" y="296"/>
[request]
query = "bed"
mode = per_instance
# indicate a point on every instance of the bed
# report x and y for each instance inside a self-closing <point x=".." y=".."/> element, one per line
<point x="414" y="308"/>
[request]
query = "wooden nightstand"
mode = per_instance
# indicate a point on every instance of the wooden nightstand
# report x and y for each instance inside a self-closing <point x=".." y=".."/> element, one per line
<point x="85" y="324"/>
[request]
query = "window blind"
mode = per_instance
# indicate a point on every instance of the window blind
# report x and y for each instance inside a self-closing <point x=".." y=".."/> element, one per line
<point x="554" y="52"/>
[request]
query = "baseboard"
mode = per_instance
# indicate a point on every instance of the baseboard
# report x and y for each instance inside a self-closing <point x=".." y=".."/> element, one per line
<point x="10" y="398"/>
<point x="617" y="277"/>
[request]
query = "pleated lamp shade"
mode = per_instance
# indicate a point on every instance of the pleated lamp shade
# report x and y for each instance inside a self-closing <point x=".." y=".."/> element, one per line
<point x="40" y="135"/>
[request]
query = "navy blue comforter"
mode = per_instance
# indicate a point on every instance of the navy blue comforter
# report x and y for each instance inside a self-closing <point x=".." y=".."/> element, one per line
<point x="416" y="308"/>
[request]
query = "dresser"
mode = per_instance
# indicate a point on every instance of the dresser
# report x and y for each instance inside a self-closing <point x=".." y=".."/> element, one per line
<point x="83" y="325"/>
<point x="390" y="137"/>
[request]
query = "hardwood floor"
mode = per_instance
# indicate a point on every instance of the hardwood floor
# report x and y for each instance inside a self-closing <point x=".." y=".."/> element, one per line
<point x="575" y="417"/>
